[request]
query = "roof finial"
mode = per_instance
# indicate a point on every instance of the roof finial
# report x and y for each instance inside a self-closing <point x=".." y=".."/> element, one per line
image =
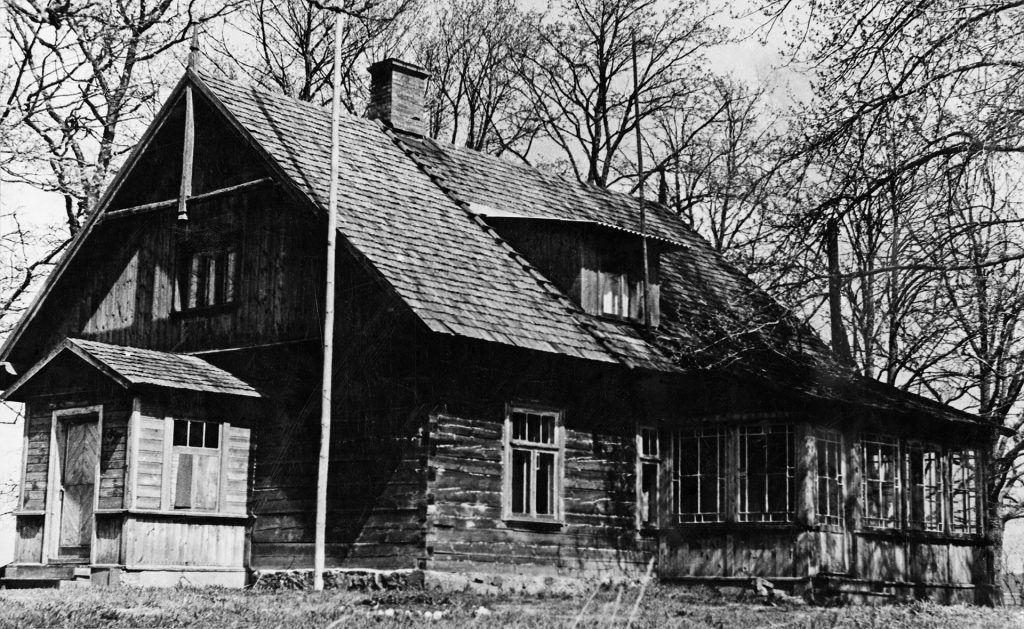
<point x="193" y="49"/>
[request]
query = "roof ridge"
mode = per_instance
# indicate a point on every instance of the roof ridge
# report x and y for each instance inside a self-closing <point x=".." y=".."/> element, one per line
<point x="572" y="181"/>
<point x="572" y="309"/>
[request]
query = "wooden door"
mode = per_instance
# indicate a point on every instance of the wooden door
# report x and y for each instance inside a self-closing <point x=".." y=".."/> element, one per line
<point x="78" y="446"/>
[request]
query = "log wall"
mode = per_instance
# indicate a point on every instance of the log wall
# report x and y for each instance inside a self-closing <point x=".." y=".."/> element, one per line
<point x="466" y="530"/>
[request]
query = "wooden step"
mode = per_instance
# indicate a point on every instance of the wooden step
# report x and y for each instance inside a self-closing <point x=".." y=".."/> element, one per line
<point x="44" y="576"/>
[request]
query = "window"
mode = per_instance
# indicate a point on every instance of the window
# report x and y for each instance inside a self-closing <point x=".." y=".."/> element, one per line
<point x="698" y="470"/>
<point x="211" y="280"/>
<point x="924" y="472"/>
<point x="533" y="460"/>
<point x="765" y="473"/>
<point x="829" y="500"/>
<point x="648" y="462"/>
<point x="208" y="270"/>
<point x="880" y="482"/>
<point x="964" y="491"/>
<point x="195" y="462"/>
<point x="620" y="296"/>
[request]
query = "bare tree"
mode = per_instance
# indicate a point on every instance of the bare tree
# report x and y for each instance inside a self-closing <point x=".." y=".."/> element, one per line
<point x="917" y="115"/>
<point x="288" y="46"/>
<point x="581" y="83"/>
<point x="475" y="50"/>
<point x="716" y="152"/>
<point x="87" y="75"/>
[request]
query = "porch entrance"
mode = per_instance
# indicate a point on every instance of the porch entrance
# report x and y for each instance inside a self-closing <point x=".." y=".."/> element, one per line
<point x="77" y="457"/>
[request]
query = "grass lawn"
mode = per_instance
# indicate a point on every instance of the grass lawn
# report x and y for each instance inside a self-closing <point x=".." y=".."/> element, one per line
<point x="661" y="607"/>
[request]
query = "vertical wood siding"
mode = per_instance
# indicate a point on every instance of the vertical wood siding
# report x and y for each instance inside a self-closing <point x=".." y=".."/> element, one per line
<point x="122" y="289"/>
<point x="170" y="541"/>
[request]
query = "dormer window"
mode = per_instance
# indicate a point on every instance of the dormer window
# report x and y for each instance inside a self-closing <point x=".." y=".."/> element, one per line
<point x="621" y="294"/>
<point x="619" y="279"/>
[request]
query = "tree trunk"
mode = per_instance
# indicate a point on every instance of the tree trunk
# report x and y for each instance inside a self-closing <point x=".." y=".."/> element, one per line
<point x="840" y="344"/>
<point x="994" y="529"/>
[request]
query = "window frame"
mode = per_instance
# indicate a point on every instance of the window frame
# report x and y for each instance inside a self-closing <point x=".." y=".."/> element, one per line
<point x="743" y="475"/>
<point x="885" y="523"/>
<point x="557" y="448"/>
<point x="973" y="494"/>
<point x="646" y="458"/>
<point x="188" y="286"/>
<point x="911" y="486"/>
<point x="172" y="459"/>
<point x="721" y="435"/>
<point x="830" y="521"/>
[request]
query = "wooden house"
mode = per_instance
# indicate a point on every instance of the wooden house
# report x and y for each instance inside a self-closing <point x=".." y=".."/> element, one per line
<point x="502" y="401"/>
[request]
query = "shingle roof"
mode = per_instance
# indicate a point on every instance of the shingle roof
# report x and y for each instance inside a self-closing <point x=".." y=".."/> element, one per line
<point x="498" y="187"/>
<point x="132" y="366"/>
<point x="417" y="210"/>
<point x="165" y="369"/>
<point x="453" y="274"/>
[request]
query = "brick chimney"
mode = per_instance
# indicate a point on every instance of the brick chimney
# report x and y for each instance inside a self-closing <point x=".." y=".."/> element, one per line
<point x="396" y="95"/>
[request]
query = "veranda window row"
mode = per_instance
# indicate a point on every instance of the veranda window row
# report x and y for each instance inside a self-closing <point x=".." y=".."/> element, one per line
<point x="748" y="474"/>
<point x="919" y="486"/>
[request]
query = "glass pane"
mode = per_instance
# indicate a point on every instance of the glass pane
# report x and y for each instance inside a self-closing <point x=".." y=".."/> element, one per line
<point x="708" y="459"/>
<point x="648" y="442"/>
<point x="708" y="494"/>
<point x="607" y="283"/>
<point x="688" y="489"/>
<point x="687" y="457"/>
<point x="229" y="276"/>
<point x="193" y="282"/>
<point x="520" y="480"/>
<point x="624" y="308"/>
<point x="210" y="278"/>
<point x="545" y="483"/>
<point x="778" y="493"/>
<point x="533" y="427"/>
<point x="823" y="497"/>
<point x="518" y="426"/>
<point x="180" y="432"/>
<point x="547" y="429"/>
<point x="757" y="492"/>
<point x="648" y="506"/>
<point x="212" y="435"/>
<point x="195" y="434"/>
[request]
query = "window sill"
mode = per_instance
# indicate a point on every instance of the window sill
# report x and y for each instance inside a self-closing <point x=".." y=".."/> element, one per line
<point x="728" y="527"/>
<point x="525" y="522"/>
<point x="205" y="311"/>
<point x="914" y="535"/>
<point x="185" y="513"/>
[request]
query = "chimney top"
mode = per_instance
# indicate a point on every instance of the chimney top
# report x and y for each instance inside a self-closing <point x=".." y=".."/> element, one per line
<point x="396" y="95"/>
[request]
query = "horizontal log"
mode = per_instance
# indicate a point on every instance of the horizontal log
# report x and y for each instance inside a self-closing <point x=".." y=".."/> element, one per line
<point x="173" y="203"/>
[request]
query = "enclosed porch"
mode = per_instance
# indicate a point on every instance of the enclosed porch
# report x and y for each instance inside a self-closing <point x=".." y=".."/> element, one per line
<point x="135" y="469"/>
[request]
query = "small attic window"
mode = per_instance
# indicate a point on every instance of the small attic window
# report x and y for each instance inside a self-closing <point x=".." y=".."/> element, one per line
<point x="207" y="272"/>
<point x="620" y="295"/>
<point x="620" y="286"/>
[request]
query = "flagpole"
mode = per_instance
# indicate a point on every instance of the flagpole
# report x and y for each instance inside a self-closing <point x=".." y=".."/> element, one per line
<point x="325" y="397"/>
<point x="643" y="209"/>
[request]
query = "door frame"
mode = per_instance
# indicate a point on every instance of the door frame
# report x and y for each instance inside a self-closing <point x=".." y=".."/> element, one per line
<point x="51" y="525"/>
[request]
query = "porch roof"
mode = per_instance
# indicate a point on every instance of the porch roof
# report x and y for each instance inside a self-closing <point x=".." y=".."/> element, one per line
<point x="131" y="367"/>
